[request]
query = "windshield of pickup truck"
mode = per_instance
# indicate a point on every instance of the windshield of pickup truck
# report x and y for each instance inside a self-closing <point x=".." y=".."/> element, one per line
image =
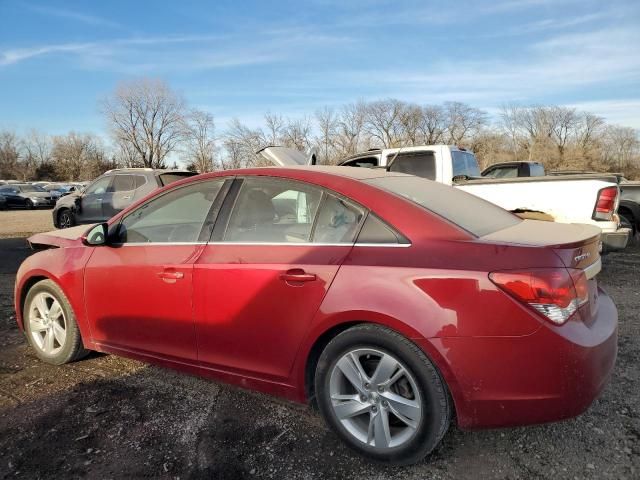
<point x="464" y="163"/>
<point x="475" y="215"/>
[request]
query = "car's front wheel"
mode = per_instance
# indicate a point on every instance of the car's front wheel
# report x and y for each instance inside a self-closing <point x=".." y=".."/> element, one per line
<point x="382" y="395"/>
<point x="28" y="205"/>
<point x="65" y="219"/>
<point x="50" y="324"/>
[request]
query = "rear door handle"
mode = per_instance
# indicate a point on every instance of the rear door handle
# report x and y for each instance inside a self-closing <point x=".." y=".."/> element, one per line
<point x="297" y="275"/>
<point x="170" y="276"/>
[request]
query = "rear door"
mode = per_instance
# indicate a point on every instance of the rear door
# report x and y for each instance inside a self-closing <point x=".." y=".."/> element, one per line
<point x="277" y="247"/>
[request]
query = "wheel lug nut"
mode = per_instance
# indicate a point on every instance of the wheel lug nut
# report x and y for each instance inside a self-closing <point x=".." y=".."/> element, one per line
<point x="374" y="409"/>
<point x="367" y="386"/>
<point x="385" y="403"/>
<point x="363" y="398"/>
<point x="381" y="389"/>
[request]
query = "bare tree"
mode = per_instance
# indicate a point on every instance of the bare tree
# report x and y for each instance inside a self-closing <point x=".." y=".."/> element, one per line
<point x="79" y="156"/>
<point x="463" y="121"/>
<point x="147" y="115"/>
<point x="382" y="122"/>
<point x="297" y="134"/>
<point x="350" y="128"/>
<point x="327" y="123"/>
<point x="563" y="124"/>
<point x="433" y="125"/>
<point x="245" y="142"/>
<point x="9" y="156"/>
<point x="200" y="143"/>
<point x="275" y="127"/>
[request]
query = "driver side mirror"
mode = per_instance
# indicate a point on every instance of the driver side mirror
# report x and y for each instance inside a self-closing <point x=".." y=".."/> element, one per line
<point x="97" y="235"/>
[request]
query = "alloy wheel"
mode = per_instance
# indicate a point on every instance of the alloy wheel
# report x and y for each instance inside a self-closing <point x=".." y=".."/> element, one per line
<point x="65" y="220"/>
<point x="375" y="397"/>
<point x="47" y="323"/>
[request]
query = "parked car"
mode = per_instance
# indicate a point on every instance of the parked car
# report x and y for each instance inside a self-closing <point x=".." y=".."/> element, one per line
<point x="25" y="195"/>
<point x="513" y="170"/>
<point x="61" y="189"/>
<point x="629" y="207"/>
<point x="392" y="302"/>
<point x="110" y="193"/>
<point x="567" y="199"/>
<point x="3" y="202"/>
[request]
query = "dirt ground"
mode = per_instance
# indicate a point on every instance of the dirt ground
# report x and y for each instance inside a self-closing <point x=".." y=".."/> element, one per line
<point x="107" y="417"/>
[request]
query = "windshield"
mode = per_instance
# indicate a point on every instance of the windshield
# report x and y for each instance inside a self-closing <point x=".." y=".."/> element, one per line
<point x="464" y="163"/>
<point x="473" y="214"/>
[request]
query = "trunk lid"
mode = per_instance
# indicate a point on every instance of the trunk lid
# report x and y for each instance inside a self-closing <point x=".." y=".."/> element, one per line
<point x="577" y="245"/>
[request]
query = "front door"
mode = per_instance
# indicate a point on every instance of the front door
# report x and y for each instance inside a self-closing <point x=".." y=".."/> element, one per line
<point x="89" y="204"/>
<point x="258" y="285"/>
<point x="139" y="289"/>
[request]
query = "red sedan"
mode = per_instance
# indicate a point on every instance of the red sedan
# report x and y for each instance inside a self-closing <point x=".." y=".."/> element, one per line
<point x="391" y="302"/>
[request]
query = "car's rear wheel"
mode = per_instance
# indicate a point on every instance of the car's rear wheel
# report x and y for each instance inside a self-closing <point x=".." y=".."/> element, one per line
<point x="50" y="324"/>
<point x="381" y="394"/>
<point x="65" y="219"/>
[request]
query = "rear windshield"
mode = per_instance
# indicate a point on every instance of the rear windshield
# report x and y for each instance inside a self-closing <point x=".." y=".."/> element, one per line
<point x="167" y="178"/>
<point x="473" y="214"/>
<point x="420" y="164"/>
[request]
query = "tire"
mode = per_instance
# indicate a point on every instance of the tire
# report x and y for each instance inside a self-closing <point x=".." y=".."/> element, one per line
<point x="29" y="205"/>
<point x="401" y="442"/>
<point x="627" y="221"/>
<point x="66" y="219"/>
<point x="40" y="325"/>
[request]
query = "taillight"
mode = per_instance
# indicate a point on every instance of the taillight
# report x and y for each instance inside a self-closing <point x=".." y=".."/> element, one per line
<point x="554" y="293"/>
<point x="606" y="203"/>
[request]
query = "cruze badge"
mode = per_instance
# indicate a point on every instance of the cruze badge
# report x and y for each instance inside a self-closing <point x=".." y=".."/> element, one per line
<point x="582" y="256"/>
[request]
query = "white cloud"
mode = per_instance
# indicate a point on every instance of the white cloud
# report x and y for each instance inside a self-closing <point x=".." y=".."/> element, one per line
<point x="618" y="111"/>
<point x="91" y="20"/>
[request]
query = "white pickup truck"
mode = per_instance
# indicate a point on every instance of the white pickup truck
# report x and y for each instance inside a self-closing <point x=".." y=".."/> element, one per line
<point x="567" y="199"/>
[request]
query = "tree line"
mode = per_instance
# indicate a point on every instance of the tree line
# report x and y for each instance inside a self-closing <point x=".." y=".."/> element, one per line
<point x="151" y="125"/>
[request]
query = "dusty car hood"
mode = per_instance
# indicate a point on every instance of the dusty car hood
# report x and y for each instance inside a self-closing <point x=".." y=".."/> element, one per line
<point x="66" y="237"/>
<point x="288" y="157"/>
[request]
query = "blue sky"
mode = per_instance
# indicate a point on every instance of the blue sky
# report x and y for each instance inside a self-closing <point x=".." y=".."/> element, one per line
<point x="242" y="58"/>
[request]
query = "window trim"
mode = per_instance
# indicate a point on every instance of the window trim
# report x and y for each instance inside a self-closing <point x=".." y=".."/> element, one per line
<point x="213" y="210"/>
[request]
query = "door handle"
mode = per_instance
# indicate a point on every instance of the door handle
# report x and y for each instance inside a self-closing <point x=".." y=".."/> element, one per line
<point x="296" y="275"/>
<point x="170" y="276"/>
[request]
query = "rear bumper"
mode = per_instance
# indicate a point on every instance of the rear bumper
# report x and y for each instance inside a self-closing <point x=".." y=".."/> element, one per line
<point x="617" y="240"/>
<point x="552" y="374"/>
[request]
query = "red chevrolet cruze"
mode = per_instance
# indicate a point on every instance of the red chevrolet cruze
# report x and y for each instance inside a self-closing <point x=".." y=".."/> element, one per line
<point x="391" y="302"/>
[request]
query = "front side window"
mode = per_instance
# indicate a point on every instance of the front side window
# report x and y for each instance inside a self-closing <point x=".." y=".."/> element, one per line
<point x="98" y="187"/>
<point x="503" y="172"/>
<point x="178" y="216"/>
<point x="464" y="163"/>
<point x="273" y="211"/>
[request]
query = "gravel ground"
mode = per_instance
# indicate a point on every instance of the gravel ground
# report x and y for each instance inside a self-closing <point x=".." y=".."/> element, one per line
<point x="20" y="223"/>
<point x="107" y="417"/>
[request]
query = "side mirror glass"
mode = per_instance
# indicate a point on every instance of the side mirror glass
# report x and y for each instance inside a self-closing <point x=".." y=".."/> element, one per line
<point x="97" y="235"/>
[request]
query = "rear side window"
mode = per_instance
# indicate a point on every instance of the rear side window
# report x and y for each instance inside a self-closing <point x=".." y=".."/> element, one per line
<point x="469" y="212"/>
<point x="376" y="231"/>
<point x="420" y="164"/>
<point x="464" y="163"/>
<point x="337" y="221"/>
<point x="271" y="210"/>
<point x="123" y="183"/>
